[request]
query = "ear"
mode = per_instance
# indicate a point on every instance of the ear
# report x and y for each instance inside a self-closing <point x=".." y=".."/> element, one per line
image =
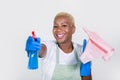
<point x="73" y="29"/>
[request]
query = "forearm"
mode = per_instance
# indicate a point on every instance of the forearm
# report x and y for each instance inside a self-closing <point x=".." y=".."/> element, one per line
<point x="43" y="51"/>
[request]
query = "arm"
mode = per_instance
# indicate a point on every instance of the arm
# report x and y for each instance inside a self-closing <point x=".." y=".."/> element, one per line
<point x="35" y="45"/>
<point x="85" y="69"/>
<point x="43" y="51"/>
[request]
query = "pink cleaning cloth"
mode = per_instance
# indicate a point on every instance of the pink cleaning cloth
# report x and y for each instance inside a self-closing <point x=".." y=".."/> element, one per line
<point x="96" y="48"/>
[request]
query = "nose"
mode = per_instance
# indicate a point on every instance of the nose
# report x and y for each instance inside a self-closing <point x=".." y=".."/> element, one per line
<point x="58" y="29"/>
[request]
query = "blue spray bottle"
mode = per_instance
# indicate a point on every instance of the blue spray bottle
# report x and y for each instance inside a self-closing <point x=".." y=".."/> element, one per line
<point x="33" y="56"/>
<point x="33" y="60"/>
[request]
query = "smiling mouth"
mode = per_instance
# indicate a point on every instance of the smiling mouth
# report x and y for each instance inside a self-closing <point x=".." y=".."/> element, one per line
<point x="59" y="36"/>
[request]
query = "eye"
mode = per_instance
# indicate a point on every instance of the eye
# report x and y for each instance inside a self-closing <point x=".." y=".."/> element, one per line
<point x="64" y="25"/>
<point x="55" y="26"/>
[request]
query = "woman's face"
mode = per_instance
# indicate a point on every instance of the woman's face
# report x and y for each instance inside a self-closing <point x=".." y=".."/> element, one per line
<point x="63" y="29"/>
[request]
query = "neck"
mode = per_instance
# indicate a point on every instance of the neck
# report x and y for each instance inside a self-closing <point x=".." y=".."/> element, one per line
<point x="66" y="47"/>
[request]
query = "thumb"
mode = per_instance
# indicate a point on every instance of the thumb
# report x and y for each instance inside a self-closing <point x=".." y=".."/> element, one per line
<point x="38" y="40"/>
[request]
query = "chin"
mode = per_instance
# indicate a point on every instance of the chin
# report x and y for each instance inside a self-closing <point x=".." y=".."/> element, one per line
<point x="60" y="41"/>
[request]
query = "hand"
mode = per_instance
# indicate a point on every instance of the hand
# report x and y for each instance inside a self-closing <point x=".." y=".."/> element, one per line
<point x="33" y="45"/>
<point x="85" y="69"/>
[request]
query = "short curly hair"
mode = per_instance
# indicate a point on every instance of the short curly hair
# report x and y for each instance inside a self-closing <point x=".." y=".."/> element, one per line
<point x="68" y="15"/>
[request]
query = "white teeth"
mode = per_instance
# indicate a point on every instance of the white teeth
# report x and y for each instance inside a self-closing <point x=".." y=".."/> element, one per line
<point x="60" y="35"/>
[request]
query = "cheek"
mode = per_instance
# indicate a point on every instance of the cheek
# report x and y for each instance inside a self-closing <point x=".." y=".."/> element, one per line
<point x="53" y="31"/>
<point x="68" y="30"/>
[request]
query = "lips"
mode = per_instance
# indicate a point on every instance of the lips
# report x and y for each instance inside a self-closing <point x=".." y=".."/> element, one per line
<point x="60" y="36"/>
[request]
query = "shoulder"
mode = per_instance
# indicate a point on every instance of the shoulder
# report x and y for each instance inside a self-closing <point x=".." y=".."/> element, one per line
<point x="78" y="48"/>
<point x="51" y="48"/>
<point x="76" y="45"/>
<point x="50" y="45"/>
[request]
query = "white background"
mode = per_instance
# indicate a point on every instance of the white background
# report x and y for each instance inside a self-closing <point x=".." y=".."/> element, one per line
<point x="19" y="17"/>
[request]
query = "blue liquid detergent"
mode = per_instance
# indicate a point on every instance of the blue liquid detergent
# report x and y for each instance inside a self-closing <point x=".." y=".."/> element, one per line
<point x="33" y="60"/>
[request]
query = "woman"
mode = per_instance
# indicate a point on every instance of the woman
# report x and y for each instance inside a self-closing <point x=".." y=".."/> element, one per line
<point x="60" y="58"/>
